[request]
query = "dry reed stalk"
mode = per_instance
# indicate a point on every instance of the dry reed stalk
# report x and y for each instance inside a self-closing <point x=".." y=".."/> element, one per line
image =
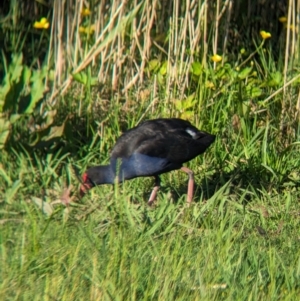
<point x="229" y="11"/>
<point x="101" y="42"/>
<point x="298" y="106"/>
<point x="146" y="24"/>
<point x="216" y="34"/>
<point x="297" y="27"/>
<point x="184" y="33"/>
<point x="190" y="22"/>
<point x="285" y="71"/>
<point x="205" y="34"/>
<point x="281" y="89"/>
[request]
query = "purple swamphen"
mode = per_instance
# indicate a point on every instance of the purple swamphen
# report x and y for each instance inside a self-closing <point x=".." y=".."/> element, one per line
<point x="151" y="149"/>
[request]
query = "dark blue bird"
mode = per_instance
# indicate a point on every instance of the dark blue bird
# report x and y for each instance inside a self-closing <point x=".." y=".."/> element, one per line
<point x="152" y="148"/>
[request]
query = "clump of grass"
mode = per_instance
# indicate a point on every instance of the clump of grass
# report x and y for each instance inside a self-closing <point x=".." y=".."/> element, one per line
<point x="121" y="249"/>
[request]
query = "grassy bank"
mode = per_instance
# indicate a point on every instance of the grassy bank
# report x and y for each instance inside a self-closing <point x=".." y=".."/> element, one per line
<point x="75" y="80"/>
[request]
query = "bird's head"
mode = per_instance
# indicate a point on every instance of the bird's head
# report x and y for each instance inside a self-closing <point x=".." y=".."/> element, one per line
<point x="96" y="175"/>
<point x="87" y="184"/>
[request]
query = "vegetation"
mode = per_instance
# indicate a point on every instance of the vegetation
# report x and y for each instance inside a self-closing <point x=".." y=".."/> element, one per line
<point x="75" y="74"/>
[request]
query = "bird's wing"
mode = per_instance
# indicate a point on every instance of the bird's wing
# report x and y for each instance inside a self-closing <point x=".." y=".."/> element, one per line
<point x="173" y="145"/>
<point x="129" y="141"/>
<point x="175" y="140"/>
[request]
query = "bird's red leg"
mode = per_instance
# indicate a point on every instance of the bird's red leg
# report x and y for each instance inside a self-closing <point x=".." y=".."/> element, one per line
<point x="190" y="191"/>
<point x="154" y="190"/>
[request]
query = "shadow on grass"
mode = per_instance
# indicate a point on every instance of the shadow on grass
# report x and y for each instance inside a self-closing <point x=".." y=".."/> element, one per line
<point x="251" y="181"/>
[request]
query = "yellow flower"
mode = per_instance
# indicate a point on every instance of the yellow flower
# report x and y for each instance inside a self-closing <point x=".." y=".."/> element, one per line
<point x="81" y="29"/>
<point x="283" y="19"/>
<point x="265" y="35"/>
<point x="42" y="24"/>
<point x="91" y="29"/>
<point x="87" y="30"/>
<point x="243" y="51"/>
<point x="216" y="58"/>
<point x="85" y="12"/>
<point x="209" y="85"/>
<point x="292" y="27"/>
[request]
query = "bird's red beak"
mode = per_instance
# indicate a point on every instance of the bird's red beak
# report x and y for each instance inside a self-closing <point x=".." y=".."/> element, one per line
<point x="83" y="190"/>
<point x="85" y="186"/>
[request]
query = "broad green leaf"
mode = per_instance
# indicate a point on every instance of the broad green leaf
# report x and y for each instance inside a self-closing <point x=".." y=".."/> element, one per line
<point x="277" y="76"/>
<point x="209" y="84"/>
<point x="15" y="68"/>
<point x="153" y="65"/>
<point x="190" y="101"/>
<point x="178" y="105"/>
<point x="14" y="117"/>
<point x="160" y="78"/>
<point x="228" y="67"/>
<point x="253" y="91"/>
<point x="37" y="91"/>
<point x="186" y="104"/>
<point x="13" y="85"/>
<point x="196" y="68"/>
<point x="221" y="72"/>
<point x="80" y="77"/>
<point x="245" y="72"/>
<point x="55" y="131"/>
<point x="83" y="78"/>
<point x="186" y="114"/>
<point x="163" y="68"/>
<point x="26" y="75"/>
<point x="94" y="81"/>
<point x="276" y="79"/>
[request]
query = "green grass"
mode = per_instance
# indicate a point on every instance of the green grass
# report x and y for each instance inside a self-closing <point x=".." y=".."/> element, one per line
<point x="238" y="241"/>
<point x="240" y="238"/>
<point x="127" y="251"/>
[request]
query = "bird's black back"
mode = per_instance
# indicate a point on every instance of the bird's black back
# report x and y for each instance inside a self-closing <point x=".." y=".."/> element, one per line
<point x="174" y="139"/>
